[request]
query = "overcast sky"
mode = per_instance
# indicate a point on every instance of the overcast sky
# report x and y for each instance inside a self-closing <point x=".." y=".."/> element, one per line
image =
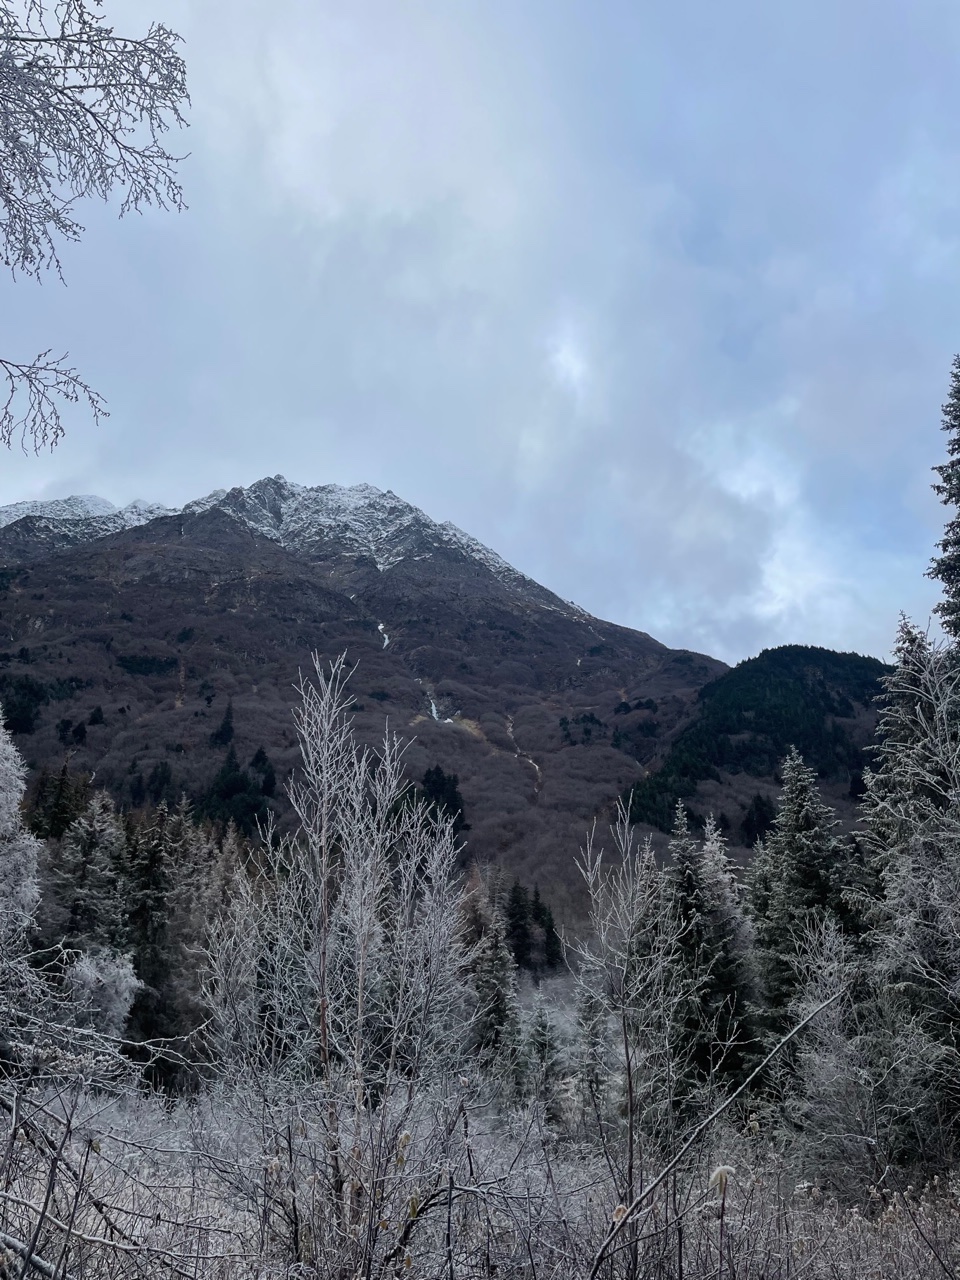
<point x="658" y="299"/>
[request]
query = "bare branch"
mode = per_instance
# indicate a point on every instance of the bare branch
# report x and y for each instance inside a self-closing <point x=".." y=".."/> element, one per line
<point x="30" y="409"/>
<point x="83" y="113"/>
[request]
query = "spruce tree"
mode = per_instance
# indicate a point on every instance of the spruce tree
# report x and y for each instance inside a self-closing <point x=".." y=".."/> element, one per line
<point x="442" y="793"/>
<point x="58" y="801"/>
<point x="496" y="1031"/>
<point x="222" y="736"/>
<point x="89" y="865"/>
<point x="714" y="949"/>
<point x="150" y="876"/>
<point x="542" y="916"/>
<point x="547" y="1066"/>
<point x="946" y="566"/>
<point x="907" y="781"/>
<point x="517" y="913"/>
<point x="911" y="816"/>
<point x="19" y="890"/>
<point x="793" y="880"/>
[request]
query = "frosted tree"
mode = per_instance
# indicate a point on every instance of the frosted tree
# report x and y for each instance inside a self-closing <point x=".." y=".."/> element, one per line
<point x="89" y="865"/>
<point x="548" y="1057"/>
<point x="350" y="931"/>
<point x="911" y="815"/>
<point x="842" y="1073"/>
<point x="946" y="566"/>
<point x="633" y="1000"/>
<point x="793" y="880"/>
<point x="84" y="114"/>
<point x="497" y="1023"/>
<point x="101" y="986"/>
<point x="715" y="946"/>
<point x="19" y="890"/>
<point x="98" y="977"/>
<point x="340" y="1009"/>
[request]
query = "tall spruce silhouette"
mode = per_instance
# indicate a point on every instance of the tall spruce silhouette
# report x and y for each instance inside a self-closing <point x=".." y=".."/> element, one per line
<point x="946" y="566"/>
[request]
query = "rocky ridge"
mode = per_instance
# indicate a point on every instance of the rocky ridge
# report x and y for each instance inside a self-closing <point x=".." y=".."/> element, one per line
<point x="362" y="521"/>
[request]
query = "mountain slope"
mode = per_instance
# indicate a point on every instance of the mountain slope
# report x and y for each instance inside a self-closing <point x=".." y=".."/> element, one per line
<point x="148" y="642"/>
<point x="163" y="624"/>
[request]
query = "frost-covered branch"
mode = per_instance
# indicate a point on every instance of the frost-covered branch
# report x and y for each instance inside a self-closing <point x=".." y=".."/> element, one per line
<point x="83" y="113"/>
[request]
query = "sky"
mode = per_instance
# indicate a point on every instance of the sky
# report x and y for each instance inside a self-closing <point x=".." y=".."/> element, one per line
<point x="658" y="300"/>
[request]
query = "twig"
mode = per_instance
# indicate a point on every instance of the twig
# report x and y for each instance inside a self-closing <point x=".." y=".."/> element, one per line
<point x="664" y="1173"/>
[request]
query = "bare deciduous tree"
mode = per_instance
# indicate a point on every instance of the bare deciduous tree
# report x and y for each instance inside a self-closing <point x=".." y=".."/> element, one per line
<point x="83" y="112"/>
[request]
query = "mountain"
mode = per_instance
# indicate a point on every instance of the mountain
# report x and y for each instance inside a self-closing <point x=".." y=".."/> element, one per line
<point x="150" y="643"/>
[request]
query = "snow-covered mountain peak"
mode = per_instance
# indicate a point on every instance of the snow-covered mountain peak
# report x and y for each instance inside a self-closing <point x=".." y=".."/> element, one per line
<point x="362" y="521"/>
<point x="80" y="506"/>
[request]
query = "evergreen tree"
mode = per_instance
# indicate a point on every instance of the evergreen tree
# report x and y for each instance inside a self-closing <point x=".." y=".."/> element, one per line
<point x="793" y="880"/>
<point x="946" y="566"/>
<point x="731" y="988"/>
<point x="714" y="949"/>
<point x="91" y="858"/>
<point x="757" y="820"/>
<point x="547" y="1066"/>
<point x="222" y="736"/>
<point x="19" y="889"/>
<point x="542" y="916"/>
<point x="517" y="916"/>
<point x="234" y="796"/>
<point x="497" y="1024"/>
<point x="442" y="792"/>
<point x="912" y="831"/>
<point x="58" y="801"/>
<point x="909" y="779"/>
<point x="262" y="764"/>
<point x="149" y="876"/>
<point x="171" y="889"/>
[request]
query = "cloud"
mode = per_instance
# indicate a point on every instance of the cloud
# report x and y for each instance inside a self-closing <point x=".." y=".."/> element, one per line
<point x="659" y="302"/>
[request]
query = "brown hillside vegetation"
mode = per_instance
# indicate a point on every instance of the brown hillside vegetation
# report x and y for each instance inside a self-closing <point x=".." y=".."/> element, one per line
<point x="164" y="625"/>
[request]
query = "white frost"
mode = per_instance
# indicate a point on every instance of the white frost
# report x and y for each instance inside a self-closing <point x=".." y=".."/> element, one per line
<point x="382" y="629"/>
<point x="363" y="521"/>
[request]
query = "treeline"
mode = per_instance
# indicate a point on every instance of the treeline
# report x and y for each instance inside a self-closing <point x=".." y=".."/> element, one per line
<point x="143" y="886"/>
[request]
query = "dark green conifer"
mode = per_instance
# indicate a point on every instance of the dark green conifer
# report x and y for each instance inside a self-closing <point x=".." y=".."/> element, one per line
<point x="517" y="915"/>
<point x="89" y="865"/>
<point x="58" y="801"/>
<point x="542" y="916"/>
<point x="793" y="879"/>
<point x="442" y="792"/>
<point x="714" y="951"/>
<point x="497" y="1026"/>
<point x="222" y="736"/>
<point x="946" y="566"/>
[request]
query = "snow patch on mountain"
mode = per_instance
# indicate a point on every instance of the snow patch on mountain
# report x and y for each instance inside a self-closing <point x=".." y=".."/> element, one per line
<point x="85" y="516"/>
<point x="455" y="537"/>
<point x="362" y="520"/>
<point x="80" y="507"/>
